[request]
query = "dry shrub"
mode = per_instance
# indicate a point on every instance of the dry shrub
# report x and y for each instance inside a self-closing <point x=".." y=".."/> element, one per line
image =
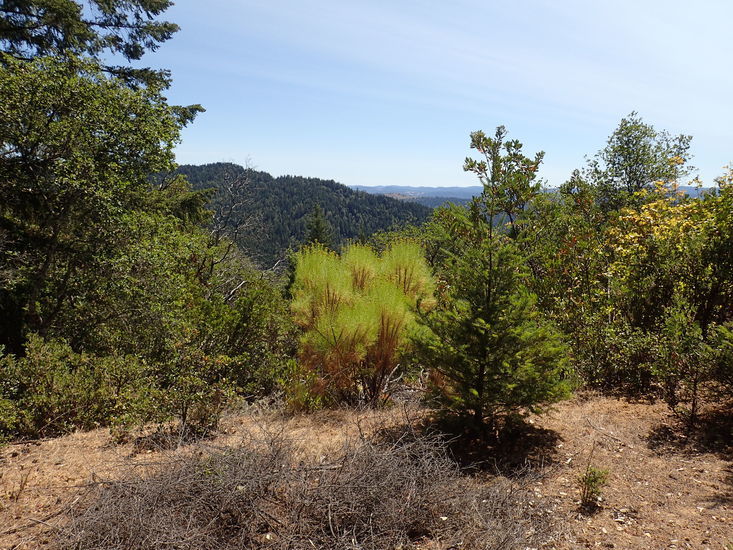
<point x="374" y="494"/>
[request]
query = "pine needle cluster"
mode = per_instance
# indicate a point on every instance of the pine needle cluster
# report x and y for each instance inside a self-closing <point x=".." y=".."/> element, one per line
<point x="356" y="310"/>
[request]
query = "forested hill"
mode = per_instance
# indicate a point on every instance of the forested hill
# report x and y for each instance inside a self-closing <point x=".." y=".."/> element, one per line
<point x="279" y="207"/>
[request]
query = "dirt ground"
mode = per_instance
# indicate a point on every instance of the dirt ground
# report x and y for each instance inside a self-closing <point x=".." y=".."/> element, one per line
<point x="664" y="490"/>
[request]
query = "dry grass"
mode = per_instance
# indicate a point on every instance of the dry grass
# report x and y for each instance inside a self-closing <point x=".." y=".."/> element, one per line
<point x="656" y="496"/>
<point x="405" y="493"/>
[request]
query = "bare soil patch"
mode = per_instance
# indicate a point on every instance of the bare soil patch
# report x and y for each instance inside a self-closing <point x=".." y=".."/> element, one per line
<point x="658" y="496"/>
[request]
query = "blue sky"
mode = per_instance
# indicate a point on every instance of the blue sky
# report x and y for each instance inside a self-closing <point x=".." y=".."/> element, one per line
<point x="387" y="92"/>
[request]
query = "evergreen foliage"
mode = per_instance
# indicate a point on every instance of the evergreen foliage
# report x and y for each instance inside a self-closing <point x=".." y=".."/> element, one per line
<point x="356" y="311"/>
<point x="129" y="291"/>
<point x="491" y="351"/>
<point x="317" y="229"/>
<point x="79" y="148"/>
<point x="123" y="299"/>
<point x="61" y="28"/>
<point x="280" y="208"/>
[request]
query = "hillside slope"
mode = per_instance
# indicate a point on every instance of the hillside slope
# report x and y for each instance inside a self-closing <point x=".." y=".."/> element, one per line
<point x="663" y="491"/>
<point x="278" y="208"/>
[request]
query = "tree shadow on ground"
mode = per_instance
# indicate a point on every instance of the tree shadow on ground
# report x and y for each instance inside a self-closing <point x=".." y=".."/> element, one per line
<point x="711" y="433"/>
<point x="165" y="438"/>
<point x="725" y="495"/>
<point x="518" y="449"/>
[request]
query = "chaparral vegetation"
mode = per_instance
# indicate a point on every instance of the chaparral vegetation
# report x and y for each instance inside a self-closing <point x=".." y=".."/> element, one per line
<point x="154" y="303"/>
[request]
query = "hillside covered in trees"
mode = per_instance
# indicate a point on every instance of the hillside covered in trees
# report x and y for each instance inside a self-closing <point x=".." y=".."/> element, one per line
<point x="279" y="208"/>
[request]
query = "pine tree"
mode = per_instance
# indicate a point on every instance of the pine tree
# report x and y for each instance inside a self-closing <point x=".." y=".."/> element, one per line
<point x="317" y="228"/>
<point x="356" y="310"/>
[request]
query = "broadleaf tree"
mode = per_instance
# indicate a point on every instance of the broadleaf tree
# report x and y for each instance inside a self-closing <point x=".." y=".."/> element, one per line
<point x="634" y="158"/>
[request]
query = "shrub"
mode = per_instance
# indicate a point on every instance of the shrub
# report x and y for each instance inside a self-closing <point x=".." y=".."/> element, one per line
<point x="370" y="495"/>
<point x="9" y="419"/>
<point x="253" y="329"/>
<point x="53" y="390"/>
<point x="197" y="391"/>
<point x="591" y="486"/>
<point x="614" y="356"/>
<point x="722" y="346"/>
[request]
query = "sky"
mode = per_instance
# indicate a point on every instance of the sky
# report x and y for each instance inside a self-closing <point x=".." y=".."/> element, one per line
<point x="387" y="92"/>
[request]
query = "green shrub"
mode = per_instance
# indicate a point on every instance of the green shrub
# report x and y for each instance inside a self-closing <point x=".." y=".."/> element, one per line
<point x="614" y="356"/>
<point x="722" y="355"/>
<point x="9" y="419"/>
<point x="591" y="484"/>
<point x="53" y="390"/>
<point x="197" y="392"/>
<point x="253" y="330"/>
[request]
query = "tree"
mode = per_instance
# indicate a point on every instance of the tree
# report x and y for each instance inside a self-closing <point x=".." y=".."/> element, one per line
<point x="508" y="176"/>
<point x="283" y="206"/>
<point x="317" y="228"/>
<point x="76" y="152"/>
<point x="356" y="310"/>
<point x="635" y="157"/>
<point x="491" y="352"/>
<point x="106" y="264"/>
<point x="672" y="282"/>
<point x="33" y="28"/>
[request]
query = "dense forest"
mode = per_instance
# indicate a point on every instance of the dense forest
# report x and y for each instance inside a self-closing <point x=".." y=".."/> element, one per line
<point x="277" y="209"/>
<point x="435" y="202"/>
<point x="136" y="294"/>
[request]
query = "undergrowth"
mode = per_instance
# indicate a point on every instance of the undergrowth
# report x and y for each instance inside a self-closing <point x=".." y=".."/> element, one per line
<point x="371" y="494"/>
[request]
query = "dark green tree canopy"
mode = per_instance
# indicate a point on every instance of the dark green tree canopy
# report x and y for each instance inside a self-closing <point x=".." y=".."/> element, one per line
<point x="29" y="28"/>
<point x="280" y="208"/>
<point x="120" y="299"/>
<point x="317" y="228"/>
<point x="33" y="28"/>
<point x="76" y="151"/>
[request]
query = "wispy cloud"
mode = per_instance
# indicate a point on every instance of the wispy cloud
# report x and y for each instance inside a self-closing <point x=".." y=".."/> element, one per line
<point x="562" y="73"/>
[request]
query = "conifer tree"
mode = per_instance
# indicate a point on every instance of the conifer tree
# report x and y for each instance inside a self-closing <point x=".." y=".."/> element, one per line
<point x="89" y="28"/>
<point x="356" y="310"/>
<point x="490" y="351"/>
<point x="317" y="228"/>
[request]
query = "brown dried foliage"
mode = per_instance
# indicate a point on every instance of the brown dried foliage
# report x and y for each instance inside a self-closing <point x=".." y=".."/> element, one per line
<point x="403" y="493"/>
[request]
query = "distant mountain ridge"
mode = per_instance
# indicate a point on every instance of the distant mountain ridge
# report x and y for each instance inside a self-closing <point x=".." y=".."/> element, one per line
<point x="279" y="207"/>
<point x="434" y="197"/>
<point x="416" y="191"/>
